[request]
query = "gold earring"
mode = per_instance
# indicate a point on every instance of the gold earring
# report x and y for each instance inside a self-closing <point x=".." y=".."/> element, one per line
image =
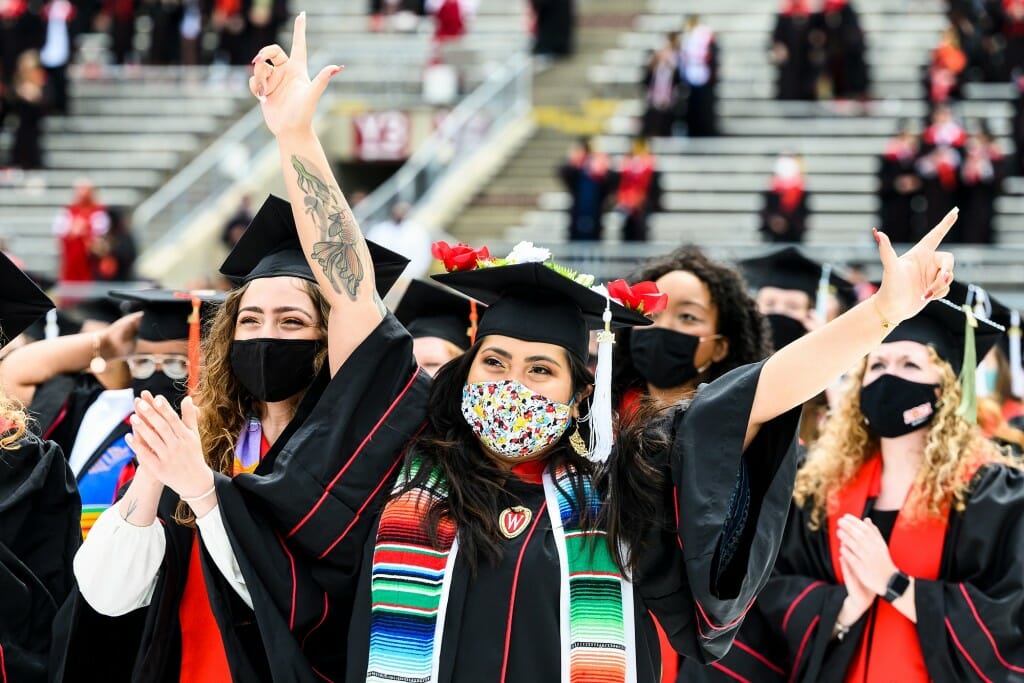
<point x="576" y="441"/>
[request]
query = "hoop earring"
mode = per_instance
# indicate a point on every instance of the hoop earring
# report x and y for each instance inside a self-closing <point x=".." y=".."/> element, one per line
<point x="577" y="443"/>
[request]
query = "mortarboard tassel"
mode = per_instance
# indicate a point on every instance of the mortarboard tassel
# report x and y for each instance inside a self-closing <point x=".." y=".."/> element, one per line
<point x="969" y="404"/>
<point x="194" y="329"/>
<point x="821" y="301"/>
<point x="1016" y="370"/>
<point x="601" y="437"/>
<point x="474" y="318"/>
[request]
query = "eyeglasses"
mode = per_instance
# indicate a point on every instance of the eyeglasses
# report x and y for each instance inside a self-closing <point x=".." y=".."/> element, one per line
<point x="143" y="365"/>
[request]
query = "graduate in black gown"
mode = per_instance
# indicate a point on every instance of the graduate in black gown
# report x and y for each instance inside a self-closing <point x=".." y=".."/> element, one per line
<point x="441" y="322"/>
<point x="981" y="182"/>
<point x="907" y="571"/>
<point x="845" y="49"/>
<point x="796" y="52"/>
<point x="899" y="188"/>
<point x="555" y="26"/>
<point x="475" y="494"/>
<point x="785" y="208"/>
<point x="39" y="510"/>
<point x="238" y="605"/>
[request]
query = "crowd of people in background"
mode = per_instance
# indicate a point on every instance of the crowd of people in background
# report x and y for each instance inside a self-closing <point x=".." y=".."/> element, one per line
<point x="679" y="84"/>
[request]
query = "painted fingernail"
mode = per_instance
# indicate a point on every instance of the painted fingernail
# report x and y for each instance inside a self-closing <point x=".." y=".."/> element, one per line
<point x="949" y="276"/>
<point x="927" y="295"/>
<point x="874" y="233"/>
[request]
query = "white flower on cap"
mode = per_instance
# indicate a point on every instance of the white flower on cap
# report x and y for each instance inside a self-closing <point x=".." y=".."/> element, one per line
<point x="525" y="252"/>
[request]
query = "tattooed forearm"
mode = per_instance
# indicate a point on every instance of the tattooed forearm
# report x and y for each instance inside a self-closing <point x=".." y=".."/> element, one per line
<point x="341" y="250"/>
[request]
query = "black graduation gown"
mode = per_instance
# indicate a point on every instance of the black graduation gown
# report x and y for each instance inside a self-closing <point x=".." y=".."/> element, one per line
<point x="589" y="196"/>
<point x="845" y="47"/>
<point x="39" y="534"/>
<point x="978" y="206"/>
<point x="900" y="212"/>
<point x="970" y="621"/>
<point x="290" y="630"/>
<point x="701" y="100"/>
<point x="796" y="220"/>
<point x="555" y="25"/>
<point x="798" y="76"/>
<point x="698" y="579"/>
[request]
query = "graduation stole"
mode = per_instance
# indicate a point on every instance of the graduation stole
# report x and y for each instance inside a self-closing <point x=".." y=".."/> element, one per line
<point x="410" y="580"/>
<point x="916" y="548"/>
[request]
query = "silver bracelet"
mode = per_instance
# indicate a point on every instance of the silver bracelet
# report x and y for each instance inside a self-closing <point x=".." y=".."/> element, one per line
<point x="198" y="498"/>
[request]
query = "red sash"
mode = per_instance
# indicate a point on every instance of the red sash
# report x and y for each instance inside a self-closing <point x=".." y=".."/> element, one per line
<point x="916" y="548"/>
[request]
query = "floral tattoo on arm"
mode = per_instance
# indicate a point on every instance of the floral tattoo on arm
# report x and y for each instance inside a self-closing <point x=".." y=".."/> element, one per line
<point x="341" y="250"/>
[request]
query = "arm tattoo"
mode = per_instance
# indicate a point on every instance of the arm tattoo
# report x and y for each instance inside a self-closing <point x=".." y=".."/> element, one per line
<point x="341" y="250"/>
<point x="132" y="505"/>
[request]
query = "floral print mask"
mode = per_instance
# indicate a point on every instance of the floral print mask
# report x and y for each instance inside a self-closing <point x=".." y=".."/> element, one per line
<point x="512" y="421"/>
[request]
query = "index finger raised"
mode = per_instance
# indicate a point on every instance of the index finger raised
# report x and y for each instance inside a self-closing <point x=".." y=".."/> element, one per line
<point x="299" y="39"/>
<point x="933" y="239"/>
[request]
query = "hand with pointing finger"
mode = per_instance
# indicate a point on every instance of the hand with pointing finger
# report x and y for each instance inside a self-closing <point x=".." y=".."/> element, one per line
<point x="281" y="82"/>
<point x="910" y="281"/>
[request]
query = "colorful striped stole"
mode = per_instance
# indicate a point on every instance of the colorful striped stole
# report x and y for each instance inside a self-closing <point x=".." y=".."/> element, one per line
<point x="411" y="577"/>
<point x="90" y="513"/>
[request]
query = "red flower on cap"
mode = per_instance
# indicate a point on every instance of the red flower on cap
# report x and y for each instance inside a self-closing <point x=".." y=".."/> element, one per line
<point x="460" y="257"/>
<point x="642" y="297"/>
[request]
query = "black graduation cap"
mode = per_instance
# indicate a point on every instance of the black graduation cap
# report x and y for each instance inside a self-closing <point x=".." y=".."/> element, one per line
<point x="532" y="302"/>
<point x="22" y="302"/>
<point x="270" y="247"/>
<point x="166" y="313"/>
<point x="942" y="325"/>
<point x="427" y="310"/>
<point x="788" y="268"/>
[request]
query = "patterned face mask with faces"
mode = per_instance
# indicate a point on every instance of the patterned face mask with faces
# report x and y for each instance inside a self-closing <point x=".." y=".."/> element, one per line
<point x="512" y="421"/>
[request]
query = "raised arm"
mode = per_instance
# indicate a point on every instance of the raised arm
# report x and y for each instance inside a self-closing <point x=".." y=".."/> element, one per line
<point x="36" y="363"/>
<point x="330" y="236"/>
<point x="806" y="367"/>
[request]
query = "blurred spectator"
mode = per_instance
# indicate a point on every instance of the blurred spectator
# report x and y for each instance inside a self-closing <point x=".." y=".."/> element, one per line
<point x="554" y="23"/>
<point x="981" y="179"/>
<point x="407" y="237"/>
<point x="264" y="19"/>
<point x="236" y="225"/>
<point x="165" y="37"/>
<point x="589" y="181"/>
<point x="117" y="17"/>
<point x="637" y="194"/>
<point x="945" y="70"/>
<point x="29" y="107"/>
<point x="56" y="53"/>
<point x="114" y="252"/>
<point x="698" y="65"/>
<point x="862" y="285"/>
<point x="78" y="226"/>
<point x="1010" y="23"/>
<point x="228" y="20"/>
<point x="1017" y="124"/>
<point x="785" y="211"/>
<point x="661" y="84"/>
<point x="191" y="31"/>
<point x="21" y="29"/>
<point x="944" y="130"/>
<point x="939" y="171"/>
<point x="899" y="187"/>
<point x="795" y="51"/>
<point x="845" y="48"/>
<point x="451" y="17"/>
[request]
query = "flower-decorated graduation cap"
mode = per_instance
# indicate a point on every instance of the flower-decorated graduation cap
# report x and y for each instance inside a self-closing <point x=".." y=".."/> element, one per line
<point x="958" y="336"/>
<point x="427" y="310"/>
<point x="530" y="297"/>
<point x="270" y="247"/>
<point x="173" y="315"/>
<point x="22" y="303"/>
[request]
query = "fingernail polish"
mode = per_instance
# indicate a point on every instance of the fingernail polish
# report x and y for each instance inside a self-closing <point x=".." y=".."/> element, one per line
<point x="927" y="295"/>
<point x="949" y="277"/>
<point x="874" y="233"/>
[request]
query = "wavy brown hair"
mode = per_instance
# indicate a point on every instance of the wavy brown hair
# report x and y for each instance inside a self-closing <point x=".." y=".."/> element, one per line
<point x="12" y="422"/>
<point x="954" y="448"/>
<point x="226" y="404"/>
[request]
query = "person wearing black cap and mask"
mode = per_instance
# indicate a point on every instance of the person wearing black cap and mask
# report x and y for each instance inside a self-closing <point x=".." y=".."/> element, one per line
<point x="502" y="505"/>
<point x="439" y="321"/>
<point x="262" y="356"/>
<point x="88" y="420"/>
<point x="39" y="511"/>
<point x="902" y="558"/>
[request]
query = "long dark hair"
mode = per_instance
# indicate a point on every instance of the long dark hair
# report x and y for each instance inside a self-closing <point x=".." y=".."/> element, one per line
<point x="738" y="318"/>
<point x="630" y="487"/>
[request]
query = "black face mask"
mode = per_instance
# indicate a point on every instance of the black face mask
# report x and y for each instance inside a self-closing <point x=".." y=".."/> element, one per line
<point x="785" y="329"/>
<point x="274" y="369"/>
<point x="664" y="358"/>
<point x="894" y="406"/>
<point x="159" y="384"/>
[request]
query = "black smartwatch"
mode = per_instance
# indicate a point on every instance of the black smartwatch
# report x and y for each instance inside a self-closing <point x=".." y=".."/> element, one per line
<point x="897" y="586"/>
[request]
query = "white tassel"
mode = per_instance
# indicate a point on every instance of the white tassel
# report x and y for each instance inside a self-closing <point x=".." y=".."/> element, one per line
<point x="601" y="433"/>
<point x="1016" y="371"/>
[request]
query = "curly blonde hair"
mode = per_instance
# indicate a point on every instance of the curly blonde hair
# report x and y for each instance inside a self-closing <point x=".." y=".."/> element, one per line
<point x="12" y="422"/>
<point x="954" y="448"/>
<point x="225" y="404"/>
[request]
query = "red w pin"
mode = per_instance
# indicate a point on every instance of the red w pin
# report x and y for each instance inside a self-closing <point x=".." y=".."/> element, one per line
<point x="512" y="521"/>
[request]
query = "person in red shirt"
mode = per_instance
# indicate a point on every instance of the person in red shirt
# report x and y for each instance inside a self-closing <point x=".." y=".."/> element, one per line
<point x="77" y="228"/>
<point x="636" y="196"/>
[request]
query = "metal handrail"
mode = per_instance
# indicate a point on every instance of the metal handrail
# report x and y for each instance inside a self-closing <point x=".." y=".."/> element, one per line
<point x="508" y="89"/>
